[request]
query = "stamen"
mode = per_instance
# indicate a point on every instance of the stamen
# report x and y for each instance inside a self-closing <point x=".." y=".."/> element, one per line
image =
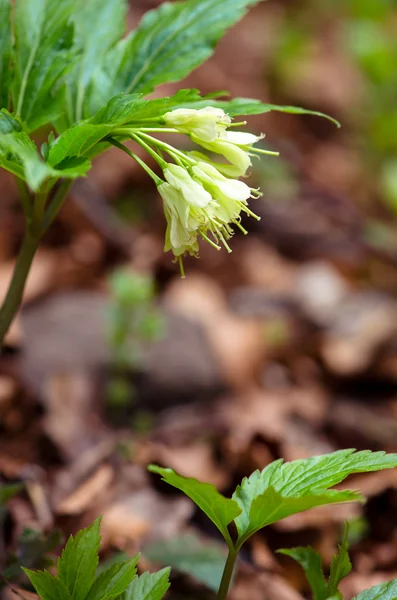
<point x="207" y="239"/>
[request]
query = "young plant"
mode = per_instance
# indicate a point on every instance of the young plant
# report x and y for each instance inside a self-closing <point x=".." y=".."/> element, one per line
<point x="341" y="566"/>
<point x="77" y="579"/>
<point x="280" y="490"/>
<point x="311" y="563"/>
<point x="66" y="69"/>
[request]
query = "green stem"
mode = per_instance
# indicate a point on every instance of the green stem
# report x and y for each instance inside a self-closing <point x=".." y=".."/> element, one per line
<point x="227" y="574"/>
<point x="56" y="203"/>
<point x="13" y="298"/>
<point x="36" y="223"/>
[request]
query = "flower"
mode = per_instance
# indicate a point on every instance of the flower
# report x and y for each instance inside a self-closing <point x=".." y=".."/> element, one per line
<point x="231" y="195"/>
<point x="206" y="123"/>
<point x="236" y="146"/>
<point x="225" y="168"/>
<point x="193" y="193"/>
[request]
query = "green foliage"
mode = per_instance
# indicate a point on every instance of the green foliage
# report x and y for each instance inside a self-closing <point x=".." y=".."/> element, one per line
<point x="383" y="591"/>
<point x="148" y="586"/>
<point x="43" y="54"/>
<point x="280" y="490"/>
<point x="219" y="509"/>
<point x="5" y="52"/>
<point x="311" y="563"/>
<point x="168" y="44"/>
<point x="76" y="579"/>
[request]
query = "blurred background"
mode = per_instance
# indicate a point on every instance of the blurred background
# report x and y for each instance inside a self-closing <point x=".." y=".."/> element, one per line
<point x="285" y="348"/>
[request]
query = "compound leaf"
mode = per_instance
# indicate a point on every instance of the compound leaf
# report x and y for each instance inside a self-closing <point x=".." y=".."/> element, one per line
<point x="43" y="55"/>
<point x="168" y="44"/>
<point x="219" y="509"/>
<point x="99" y="25"/>
<point x="284" y="489"/>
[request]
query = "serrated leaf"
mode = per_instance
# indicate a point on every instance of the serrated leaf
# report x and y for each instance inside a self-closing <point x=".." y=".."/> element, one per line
<point x="300" y="485"/>
<point x="168" y="44"/>
<point x="340" y="566"/>
<point x="272" y="506"/>
<point x="148" y="586"/>
<point x="190" y="554"/>
<point x="43" y="55"/>
<point x="219" y="509"/>
<point x="47" y="586"/>
<point x="5" y="52"/>
<point x="79" y="560"/>
<point x="114" y="581"/>
<point x="383" y="591"/>
<point x="311" y="563"/>
<point x="99" y="24"/>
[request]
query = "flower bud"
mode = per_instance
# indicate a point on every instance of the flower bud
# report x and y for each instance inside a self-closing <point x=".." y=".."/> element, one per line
<point x="206" y="123"/>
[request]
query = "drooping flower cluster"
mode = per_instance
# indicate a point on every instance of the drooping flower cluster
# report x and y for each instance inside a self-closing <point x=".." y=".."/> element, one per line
<point x="202" y="198"/>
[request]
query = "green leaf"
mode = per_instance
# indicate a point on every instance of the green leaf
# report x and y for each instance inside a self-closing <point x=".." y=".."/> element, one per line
<point x="149" y="586"/>
<point x="250" y="106"/>
<point x="272" y="506"/>
<point x="43" y="55"/>
<point x="99" y="24"/>
<point x="219" y="509"/>
<point x="190" y="554"/>
<point x="340" y="566"/>
<point x="47" y="586"/>
<point x="281" y="489"/>
<point x="5" y="52"/>
<point x="383" y="591"/>
<point x="78" y="561"/>
<point x="169" y="43"/>
<point x="83" y="138"/>
<point x="114" y="581"/>
<point x="311" y="563"/>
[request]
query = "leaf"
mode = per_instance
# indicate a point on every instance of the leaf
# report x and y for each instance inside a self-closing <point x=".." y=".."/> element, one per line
<point x="99" y="24"/>
<point x="47" y="586"/>
<point x="43" y="55"/>
<point x="148" y="586"/>
<point x="189" y="554"/>
<point x="311" y="563"/>
<point x="82" y="138"/>
<point x="114" y="581"/>
<point x="168" y="44"/>
<point x="340" y="566"/>
<point x="272" y="506"/>
<point x="219" y="509"/>
<point x="78" y="561"/>
<point x="5" y="52"/>
<point x="250" y="106"/>
<point x="383" y="591"/>
<point x="284" y="489"/>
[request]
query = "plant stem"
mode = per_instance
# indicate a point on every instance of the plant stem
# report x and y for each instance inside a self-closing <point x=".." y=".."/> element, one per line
<point x="13" y="298"/>
<point x="36" y="223"/>
<point x="227" y="574"/>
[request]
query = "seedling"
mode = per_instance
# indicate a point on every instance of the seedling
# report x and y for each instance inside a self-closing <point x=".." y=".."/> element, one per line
<point x="67" y="70"/>
<point x="280" y="490"/>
